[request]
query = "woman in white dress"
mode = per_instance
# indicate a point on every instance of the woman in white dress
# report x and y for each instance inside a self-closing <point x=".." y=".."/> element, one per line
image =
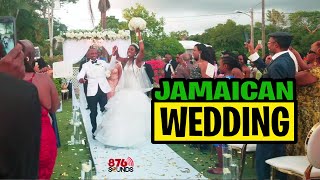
<point x="127" y="122"/>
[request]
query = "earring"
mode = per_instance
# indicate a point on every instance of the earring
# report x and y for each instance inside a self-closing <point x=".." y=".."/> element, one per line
<point x="27" y="58"/>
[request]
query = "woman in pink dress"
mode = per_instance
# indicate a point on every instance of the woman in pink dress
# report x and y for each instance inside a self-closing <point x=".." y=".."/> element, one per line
<point x="49" y="100"/>
<point x="113" y="80"/>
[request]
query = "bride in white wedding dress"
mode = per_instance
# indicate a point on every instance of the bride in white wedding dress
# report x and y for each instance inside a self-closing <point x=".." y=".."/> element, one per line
<point x="127" y="122"/>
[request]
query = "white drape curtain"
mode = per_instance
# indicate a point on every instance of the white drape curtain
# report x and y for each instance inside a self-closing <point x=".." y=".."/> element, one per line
<point x="75" y="50"/>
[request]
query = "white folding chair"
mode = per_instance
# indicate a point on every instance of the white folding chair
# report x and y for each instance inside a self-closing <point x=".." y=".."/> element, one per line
<point x="301" y="166"/>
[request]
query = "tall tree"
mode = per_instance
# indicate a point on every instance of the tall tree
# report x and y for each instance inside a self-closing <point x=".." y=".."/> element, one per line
<point x="227" y="36"/>
<point x="276" y="18"/>
<point x="154" y="26"/>
<point x="304" y="28"/>
<point x="180" y="35"/>
<point x="47" y="7"/>
<point x="114" y="24"/>
<point x="12" y="7"/>
<point x="104" y="6"/>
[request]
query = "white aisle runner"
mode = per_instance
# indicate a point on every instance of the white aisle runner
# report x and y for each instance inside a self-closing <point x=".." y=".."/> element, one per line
<point x="150" y="161"/>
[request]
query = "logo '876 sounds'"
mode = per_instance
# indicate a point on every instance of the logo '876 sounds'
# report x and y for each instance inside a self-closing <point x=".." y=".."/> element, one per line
<point x="120" y="165"/>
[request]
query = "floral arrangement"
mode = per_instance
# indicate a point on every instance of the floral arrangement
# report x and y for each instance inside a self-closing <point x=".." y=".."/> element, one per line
<point x="84" y="34"/>
<point x="137" y="23"/>
<point x="157" y="67"/>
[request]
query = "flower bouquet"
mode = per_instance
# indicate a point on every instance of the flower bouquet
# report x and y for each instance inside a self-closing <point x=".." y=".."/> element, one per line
<point x="137" y="23"/>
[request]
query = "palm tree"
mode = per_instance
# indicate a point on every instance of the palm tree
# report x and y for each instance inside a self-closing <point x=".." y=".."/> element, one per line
<point x="104" y="6"/>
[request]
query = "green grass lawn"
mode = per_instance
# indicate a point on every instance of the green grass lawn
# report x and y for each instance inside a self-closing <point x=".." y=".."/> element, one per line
<point x="201" y="160"/>
<point x="68" y="163"/>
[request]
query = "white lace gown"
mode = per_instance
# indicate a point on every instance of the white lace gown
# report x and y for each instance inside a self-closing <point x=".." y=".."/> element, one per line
<point x="127" y="122"/>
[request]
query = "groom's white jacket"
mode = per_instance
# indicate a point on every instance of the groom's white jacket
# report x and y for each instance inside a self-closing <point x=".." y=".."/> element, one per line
<point x="96" y="76"/>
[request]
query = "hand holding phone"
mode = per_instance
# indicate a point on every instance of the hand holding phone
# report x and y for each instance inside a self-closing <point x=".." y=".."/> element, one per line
<point x="13" y="62"/>
<point x="7" y="33"/>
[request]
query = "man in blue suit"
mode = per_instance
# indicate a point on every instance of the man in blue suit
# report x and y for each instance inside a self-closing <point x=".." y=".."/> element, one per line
<point x="282" y="66"/>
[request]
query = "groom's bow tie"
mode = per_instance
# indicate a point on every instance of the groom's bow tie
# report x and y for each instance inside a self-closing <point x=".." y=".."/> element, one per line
<point x="93" y="62"/>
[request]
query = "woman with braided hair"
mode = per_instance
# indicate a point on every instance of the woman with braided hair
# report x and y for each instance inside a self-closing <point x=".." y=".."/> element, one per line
<point x="230" y="67"/>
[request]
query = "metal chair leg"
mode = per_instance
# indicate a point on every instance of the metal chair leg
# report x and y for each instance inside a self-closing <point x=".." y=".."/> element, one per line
<point x="253" y="160"/>
<point x="242" y="160"/>
<point x="272" y="173"/>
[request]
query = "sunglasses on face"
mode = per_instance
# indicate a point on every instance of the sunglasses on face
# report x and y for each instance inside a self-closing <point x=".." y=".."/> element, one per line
<point x="311" y="52"/>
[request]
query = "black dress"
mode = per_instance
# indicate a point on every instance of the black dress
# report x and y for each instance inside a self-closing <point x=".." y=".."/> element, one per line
<point x="20" y="129"/>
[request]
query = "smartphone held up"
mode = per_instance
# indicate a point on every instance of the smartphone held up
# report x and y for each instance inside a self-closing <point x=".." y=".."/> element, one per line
<point x="7" y="34"/>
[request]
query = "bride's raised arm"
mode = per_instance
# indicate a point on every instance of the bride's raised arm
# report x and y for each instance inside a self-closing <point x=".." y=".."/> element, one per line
<point x="139" y="60"/>
<point x="116" y="53"/>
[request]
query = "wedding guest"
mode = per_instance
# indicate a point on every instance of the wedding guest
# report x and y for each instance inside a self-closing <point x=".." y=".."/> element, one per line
<point x="50" y="102"/>
<point x="184" y="66"/>
<point x="243" y="61"/>
<point x="150" y="73"/>
<point x="20" y="114"/>
<point x="281" y="67"/>
<point x="202" y="58"/>
<point x="40" y="66"/>
<point x="212" y="54"/>
<point x="227" y="66"/>
<point x="308" y="97"/>
<point x="102" y="53"/>
<point x="170" y="66"/>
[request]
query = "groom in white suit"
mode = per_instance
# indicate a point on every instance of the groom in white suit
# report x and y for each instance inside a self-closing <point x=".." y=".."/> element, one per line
<point x="98" y="86"/>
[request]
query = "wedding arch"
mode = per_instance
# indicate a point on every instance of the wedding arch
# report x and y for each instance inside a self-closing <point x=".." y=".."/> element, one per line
<point x="75" y="46"/>
<point x="76" y="43"/>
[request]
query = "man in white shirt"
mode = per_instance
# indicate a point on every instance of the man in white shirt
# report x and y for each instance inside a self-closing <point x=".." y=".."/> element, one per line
<point x="98" y="86"/>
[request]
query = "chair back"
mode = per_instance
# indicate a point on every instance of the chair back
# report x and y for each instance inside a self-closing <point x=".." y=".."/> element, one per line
<point x="312" y="145"/>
